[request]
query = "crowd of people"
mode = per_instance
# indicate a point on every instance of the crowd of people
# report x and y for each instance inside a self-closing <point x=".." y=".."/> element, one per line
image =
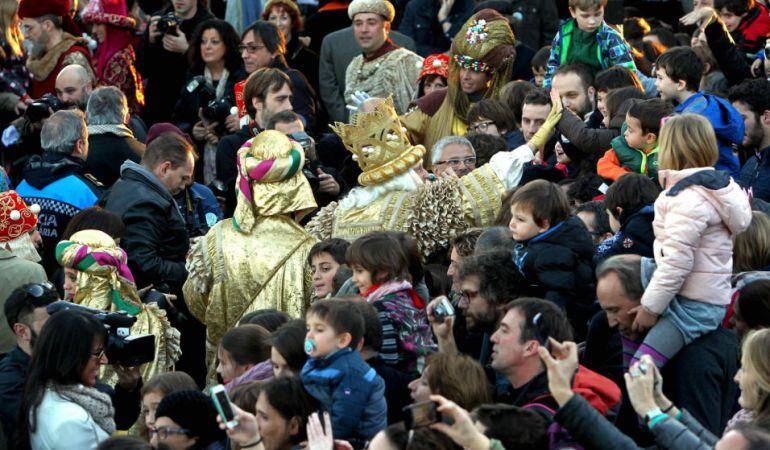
<point x="392" y="225"/>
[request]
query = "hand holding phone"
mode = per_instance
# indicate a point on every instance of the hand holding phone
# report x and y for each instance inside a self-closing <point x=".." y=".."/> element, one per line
<point x="421" y="414"/>
<point x="223" y="405"/>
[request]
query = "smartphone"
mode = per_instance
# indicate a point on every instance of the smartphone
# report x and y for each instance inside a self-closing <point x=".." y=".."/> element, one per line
<point x="421" y="414"/>
<point x="222" y="403"/>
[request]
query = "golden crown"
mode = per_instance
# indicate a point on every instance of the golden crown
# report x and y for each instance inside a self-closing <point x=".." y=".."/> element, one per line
<point x="379" y="144"/>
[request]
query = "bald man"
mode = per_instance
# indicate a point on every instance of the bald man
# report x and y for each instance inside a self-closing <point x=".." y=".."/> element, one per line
<point x="74" y="85"/>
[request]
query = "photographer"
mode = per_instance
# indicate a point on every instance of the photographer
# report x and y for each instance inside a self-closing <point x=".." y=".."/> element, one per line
<point x="208" y="95"/>
<point x="162" y="55"/>
<point x="325" y="181"/>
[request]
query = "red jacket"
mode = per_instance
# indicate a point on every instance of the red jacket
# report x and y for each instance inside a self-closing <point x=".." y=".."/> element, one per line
<point x="754" y="30"/>
<point x="67" y="49"/>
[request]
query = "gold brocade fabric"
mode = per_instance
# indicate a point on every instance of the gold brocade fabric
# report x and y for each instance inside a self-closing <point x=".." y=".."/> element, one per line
<point x="232" y="273"/>
<point x="432" y="214"/>
<point x="94" y="290"/>
<point x="427" y="130"/>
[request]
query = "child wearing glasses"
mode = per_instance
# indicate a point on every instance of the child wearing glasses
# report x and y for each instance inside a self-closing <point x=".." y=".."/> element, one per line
<point x="553" y="251"/>
<point x="381" y="272"/>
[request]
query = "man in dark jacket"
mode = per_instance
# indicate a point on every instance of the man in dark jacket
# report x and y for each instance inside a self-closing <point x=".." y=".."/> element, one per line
<point x="57" y="180"/>
<point x="163" y="51"/>
<point x="156" y="239"/>
<point x="698" y="379"/>
<point x="110" y="141"/>
<point x="25" y="311"/>
<point x="433" y="23"/>
<point x="752" y="99"/>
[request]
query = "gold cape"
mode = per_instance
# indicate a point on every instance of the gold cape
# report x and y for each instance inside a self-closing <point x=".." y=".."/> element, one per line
<point x="432" y="214"/>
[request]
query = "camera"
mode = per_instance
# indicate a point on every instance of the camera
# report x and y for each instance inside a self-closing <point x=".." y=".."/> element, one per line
<point x="310" y="168"/>
<point x="214" y="109"/>
<point x="168" y="23"/>
<point x="39" y="109"/>
<point x="121" y="347"/>
<point x="443" y="310"/>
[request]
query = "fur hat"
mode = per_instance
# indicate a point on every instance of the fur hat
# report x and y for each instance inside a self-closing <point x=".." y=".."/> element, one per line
<point x="38" y="8"/>
<point x="381" y="7"/>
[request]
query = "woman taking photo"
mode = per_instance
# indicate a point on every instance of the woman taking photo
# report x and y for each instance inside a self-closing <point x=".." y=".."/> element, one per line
<point x="285" y="15"/>
<point x="61" y="408"/>
<point x="215" y="67"/>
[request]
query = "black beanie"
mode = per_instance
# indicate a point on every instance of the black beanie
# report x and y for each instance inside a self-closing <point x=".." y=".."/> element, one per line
<point x="194" y="411"/>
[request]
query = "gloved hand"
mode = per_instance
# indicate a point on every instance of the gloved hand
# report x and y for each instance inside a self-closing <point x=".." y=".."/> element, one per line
<point x="358" y="98"/>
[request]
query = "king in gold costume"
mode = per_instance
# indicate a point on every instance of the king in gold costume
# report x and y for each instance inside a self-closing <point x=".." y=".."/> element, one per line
<point x="485" y="45"/>
<point x="104" y="282"/>
<point x="257" y="259"/>
<point x="393" y="197"/>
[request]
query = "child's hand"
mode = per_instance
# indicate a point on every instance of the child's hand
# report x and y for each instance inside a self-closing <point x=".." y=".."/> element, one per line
<point x="644" y="319"/>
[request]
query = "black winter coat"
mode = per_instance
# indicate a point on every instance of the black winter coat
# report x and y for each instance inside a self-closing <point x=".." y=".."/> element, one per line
<point x="107" y="152"/>
<point x="635" y="236"/>
<point x="156" y="238"/>
<point x="755" y="175"/>
<point x="421" y="23"/>
<point x="559" y="267"/>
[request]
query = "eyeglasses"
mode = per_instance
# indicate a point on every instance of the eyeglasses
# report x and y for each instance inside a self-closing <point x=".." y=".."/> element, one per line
<point x="163" y="432"/>
<point x="470" y="161"/>
<point x="466" y="295"/>
<point x="251" y="48"/>
<point x="98" y="354"/>
<point x="481" y="127"/>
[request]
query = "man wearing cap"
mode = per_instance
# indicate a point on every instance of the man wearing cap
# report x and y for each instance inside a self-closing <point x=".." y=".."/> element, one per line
<point x="383" y="68"/>
<point x="18" y="257"/>
<point x="49" y="28"/>
<point x="483" y="53"/>
<point x="258" y="258"/>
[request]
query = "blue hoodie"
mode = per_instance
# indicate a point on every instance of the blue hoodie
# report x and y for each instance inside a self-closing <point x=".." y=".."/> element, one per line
<point x="728" y="126"/>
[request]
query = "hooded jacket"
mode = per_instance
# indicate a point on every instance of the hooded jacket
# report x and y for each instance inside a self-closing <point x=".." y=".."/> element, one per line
<point x="350" y="390"/>
<point x="696" y="216"/>
<point x="635" y="236"/>
<point x="622" y="159"/>
<point x="728" y="126"/>
<point x="557" y="263"/>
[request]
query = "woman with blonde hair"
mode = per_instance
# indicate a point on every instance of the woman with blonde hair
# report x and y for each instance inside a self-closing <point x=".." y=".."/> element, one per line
<point x="105" y="282"/>
<point x="14" y="75"/>
<point x="752" y="247"/>
<point x="696" y="216"/>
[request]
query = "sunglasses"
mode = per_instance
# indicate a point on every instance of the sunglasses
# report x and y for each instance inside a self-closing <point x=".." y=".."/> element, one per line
<point x="38" y="290"/>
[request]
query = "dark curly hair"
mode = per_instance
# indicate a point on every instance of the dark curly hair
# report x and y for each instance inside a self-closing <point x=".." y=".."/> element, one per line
<point x="754" y="93"/>
<point x="230" y="38"/>
<point x="499" y="279"/>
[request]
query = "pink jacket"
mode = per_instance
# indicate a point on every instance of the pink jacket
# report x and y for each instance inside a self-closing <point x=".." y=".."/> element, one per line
<point x="693" y="237"/>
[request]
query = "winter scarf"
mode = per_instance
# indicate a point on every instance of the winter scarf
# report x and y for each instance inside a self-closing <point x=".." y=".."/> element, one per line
<point x="97" y="404"/>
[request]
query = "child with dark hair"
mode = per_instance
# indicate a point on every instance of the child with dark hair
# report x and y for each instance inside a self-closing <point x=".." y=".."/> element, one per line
<point x="615" y="77"/>
<point x="325" y="259"/>
<point x="381" y="273"/>
<point x="244" y="356"/>
<point x="679" y="71"/>
<point x="336" y="374"/>
<point x="747" y="21"/>
<point x="629" y="202"/>
<point x="540" y="65"/>
<point x="636" y="150"/>
<point x="553" y="250"/>
<point x="487" y="145"/>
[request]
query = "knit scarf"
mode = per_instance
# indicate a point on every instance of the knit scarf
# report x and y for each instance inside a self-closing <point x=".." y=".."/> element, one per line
<point x="117" y="130"/>
<point x="377" y="291"/>
<point x="96" y="403"/>
<point x="260" y="372"/>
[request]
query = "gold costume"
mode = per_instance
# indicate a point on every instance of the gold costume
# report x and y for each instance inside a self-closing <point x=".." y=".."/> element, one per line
<point x="431" y="213"/>
<point x="104" y="282"/>
<point x="257" y="259"/>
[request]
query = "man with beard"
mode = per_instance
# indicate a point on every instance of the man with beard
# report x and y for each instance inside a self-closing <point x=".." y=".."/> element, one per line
<point x="752" y="100"/>
<point x="45" y="25"/>
<point x="267" y="92"/>
<point x="74" y="86"/>
<point x="487" y="283"/>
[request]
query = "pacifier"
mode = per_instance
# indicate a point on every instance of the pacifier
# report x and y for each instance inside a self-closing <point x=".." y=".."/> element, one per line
<point x="309" y="346"/>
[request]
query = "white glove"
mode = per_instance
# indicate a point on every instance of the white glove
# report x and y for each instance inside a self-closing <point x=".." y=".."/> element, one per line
<point x="358" y="98"/>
